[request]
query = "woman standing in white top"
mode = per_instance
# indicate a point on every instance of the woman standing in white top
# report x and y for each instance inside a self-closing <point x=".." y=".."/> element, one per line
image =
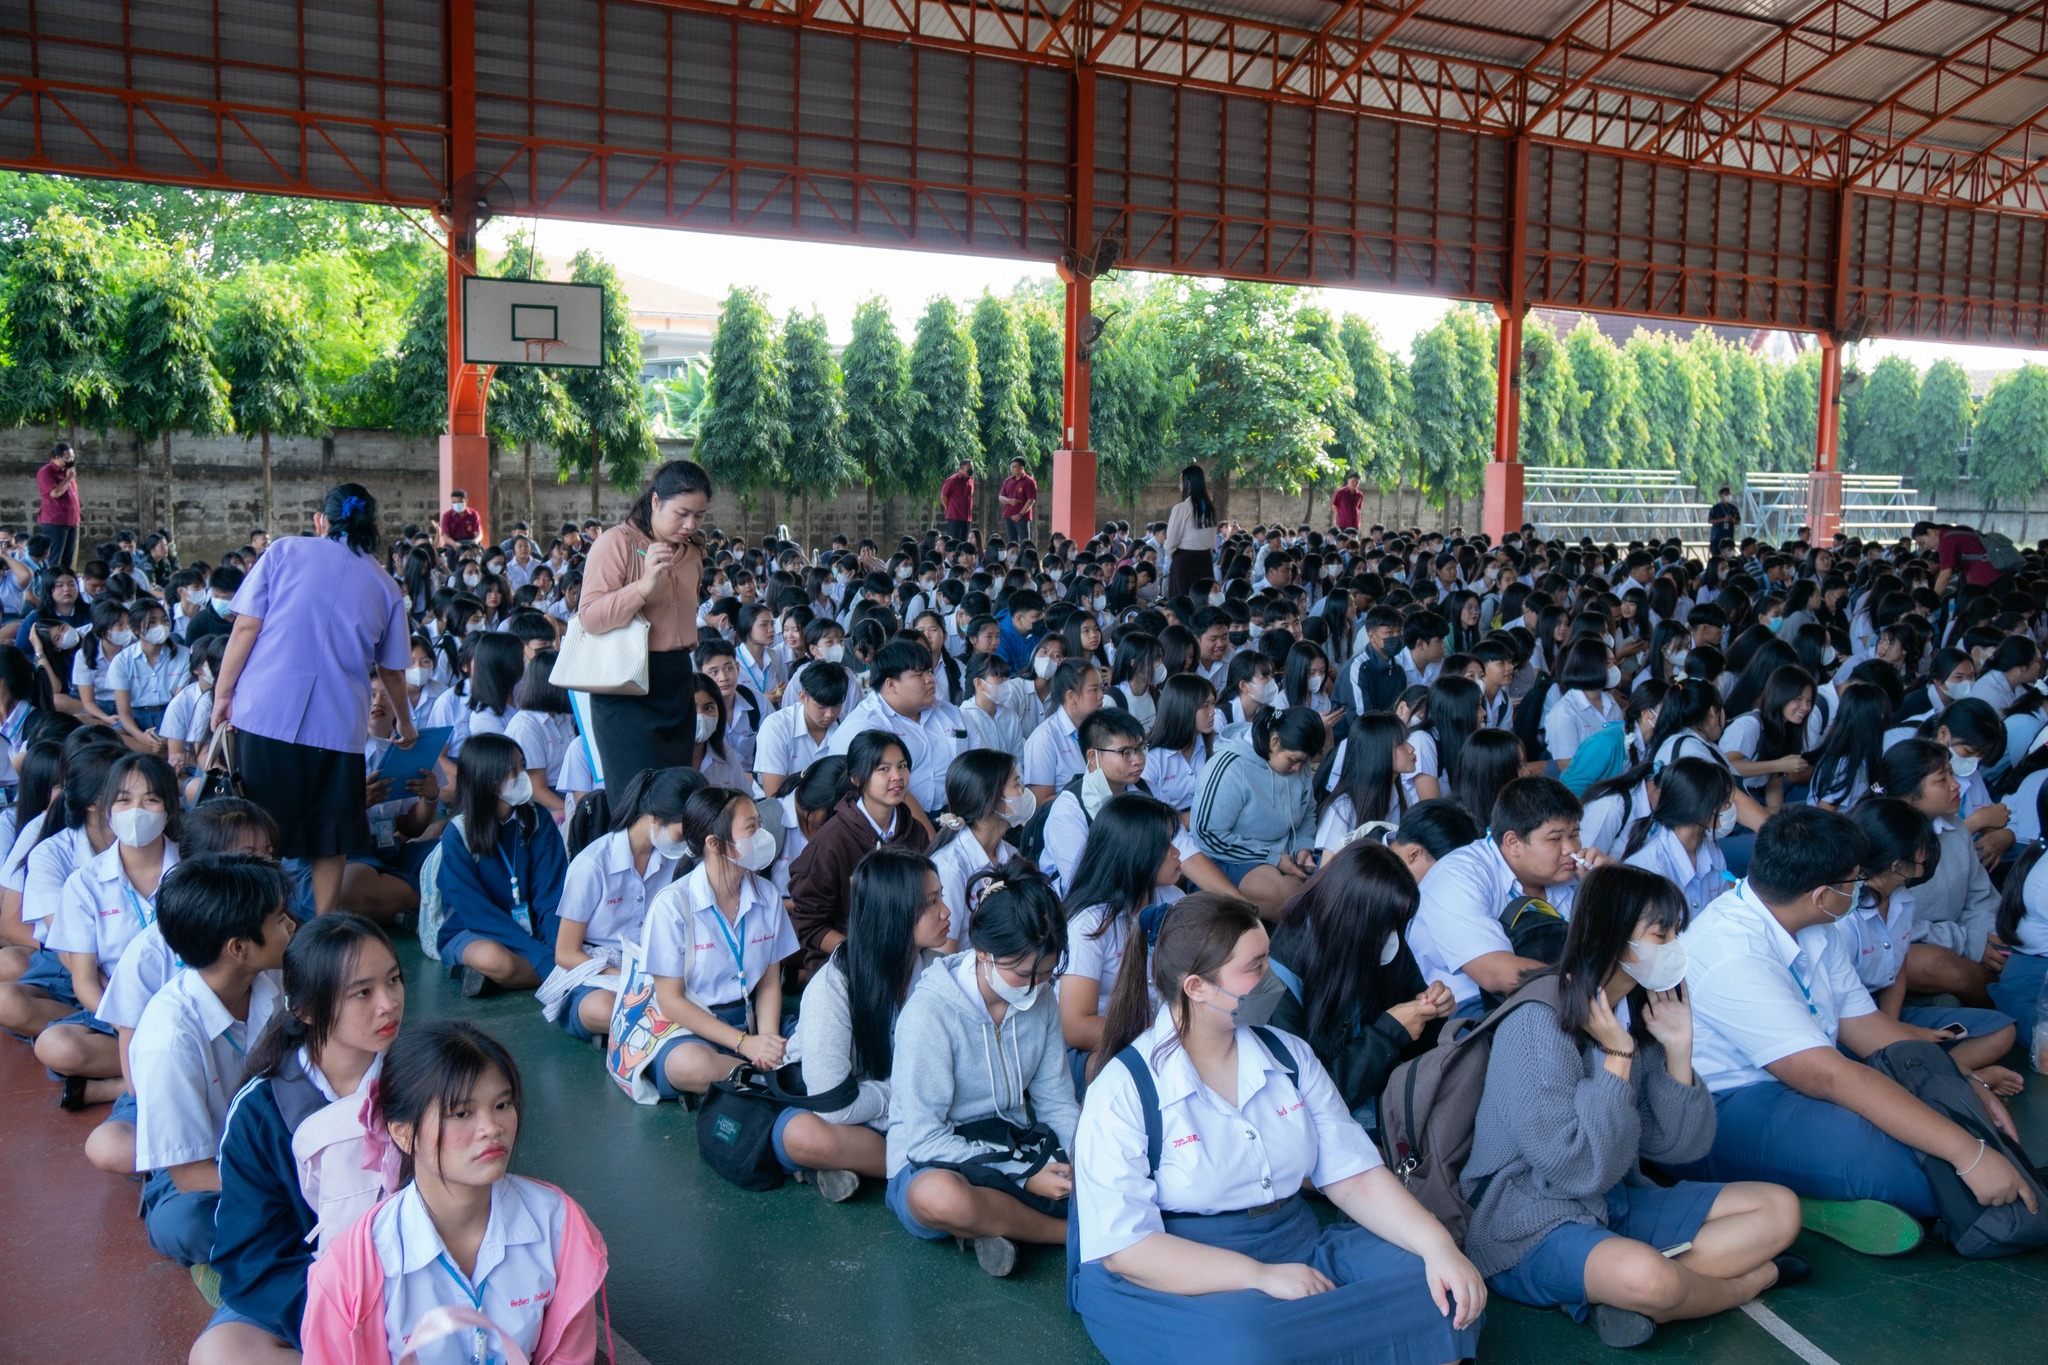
<point x="1190" y="543"/>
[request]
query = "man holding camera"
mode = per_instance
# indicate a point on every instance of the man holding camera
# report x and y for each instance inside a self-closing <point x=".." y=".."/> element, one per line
<point x="57" y="511"/>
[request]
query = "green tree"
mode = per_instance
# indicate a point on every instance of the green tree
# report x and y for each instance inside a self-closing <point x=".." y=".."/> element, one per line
<point x="266" y="357"/>
<point x="1048" y="373"/>
<point x="60" y="326"/>
<point x="1376" y="381"/>
<point x="2009" y="451"/>
<point x="1795" y="413"/>
<point x="1711" y="460"/>
<point x="1609" y="418"/>
<point x="169" y="381"/>
<point x="1670" y="400"/>
<point x="1002" y="364"/>
<point x="1551" y="401"/>
<point x="1886" y="406"/>
<point x="613" y="421"/>
<point x="405" y="389"/>
<point x="746" y="432"/>
<point x="1453" y="383"/>
<point x="1254" y="391"/>
<point x="878" y="402"/>
<point x="1133" y="395"/>
<point x="1350" y="445"/>
<point x="1941" y="425"/>
<point x="1745" y="410"/>
<point x="815" y="461"/>
<point x="945" y="395"/>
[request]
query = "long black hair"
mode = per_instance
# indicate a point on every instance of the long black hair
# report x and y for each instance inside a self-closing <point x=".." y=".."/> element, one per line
<point x="1491" y="759"/>
<point x="1194" y="488"/>
<point x="1174" y="725"/>
<point x="435" y="1066"/>
<point x="974" y="791"/>
<point x="1613" y="899"/>
<point x="1119" y="865"/>
<point x="1457" y="708"/>
<point x="1196" y="938"/>
<point x="1367" y="775"/>
<point x="1345" y="913"/>
<point x="1690" y="791"/>
<point x="878" y="958"/>
<point x="1855" y="742"/>
<point x="319" y="962"/>
<point x="496" y="661"/>
<point x="487" y="763"/>
<point x="351" y="512"/>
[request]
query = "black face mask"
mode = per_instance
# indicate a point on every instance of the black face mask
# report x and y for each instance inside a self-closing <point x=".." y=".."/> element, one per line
<point x="1240" y="637"/>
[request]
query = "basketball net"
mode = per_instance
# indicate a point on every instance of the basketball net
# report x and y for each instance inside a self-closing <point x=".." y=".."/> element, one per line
<point x="537" y="352"/>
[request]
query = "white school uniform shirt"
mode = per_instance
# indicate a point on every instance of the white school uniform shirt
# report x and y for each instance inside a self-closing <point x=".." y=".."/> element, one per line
<point x="1742" y="736"/>
<point x="1066" y="839"/>
<point x="784" y="746"/>
<point x="1000" y="731"/>
<point x="1427" y="764"/>
<point x="1459" y="915"/>
<point x="1214" y="1157"/>
<point x="1052" y="756"/>
<point x="1689" y="744"/>
<point x="11" y="731"/>
<point x="14" y="871"/>
<point x="100" y="911"/>
<point x="1574" y="719"/>
<point x="145" y="683"/>
<point x="1877" y="940"/>
<point x="1418" y="676"/>
<point x="760" y="678"/>
<point x="186" y="1061"/>
<point x="1759" y="994"/>
<point x="146" y="964"/>
<point x="933" y="740"/>
<point x="1608" y="820"/>
<point x="543" y="739"/>
<point x="1174" y="777"/>
<point x="685" y="929"/>
<point x="1145" y="705"/>
<point x="514" y="1277"/>
<point x="189" y="717"/>
<point x="604" y="893"/>
<point x="50" y="865"/>
<point x="959" y="862"/>
<point x="84" y="674"/>
<point x="1699" y="875"/>
<point x="2032" y="938"/>
<point x="1099" y="958"/>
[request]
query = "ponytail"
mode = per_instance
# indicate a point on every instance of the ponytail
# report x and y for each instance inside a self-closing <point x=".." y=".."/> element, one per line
<point x="318" y="964"/>
<point x="1195" y="938"/>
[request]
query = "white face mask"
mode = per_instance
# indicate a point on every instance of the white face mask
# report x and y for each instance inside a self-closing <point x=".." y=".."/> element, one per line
<point x="1675" y="659"/>
<point x="1215" y="599"/>
<point x="137" y="827"/>
<point x="1020" y="808"/>
<point x="457" y="505"/>
<point x="419" y="677"/>
<point x="1268" y="693"/>
<point x="1658" y="966"/>
<point x="67" y="638"/>
<point x="667" y="847"/>
<point x="1724" y="823"/>
<point x="1101" y="601"/>
<point x="1963" y="768"/>
<point x="707" y="726"/>
<point x="1044" y="666"/>
<point x="1390" y="950"/>
<point x="902" y="573"/>
<point x="1158" y="674"/>
<point x="156" y="635"/>
<point x="1613" y="676"/>
<point x="1959" y="691"/>
<point x="1016" y="997"/>
<point x="755" y="851"/>
<point x="470" y="580"/>
<point x="1315" y="684"/>
<point x="832" y="654"/>
<point x="1828" y="655"/>
<point x="121" y="637"/>
<point x="191" y="596"/>
<point x="516" y="791"/>
<point x="222" y="606"/>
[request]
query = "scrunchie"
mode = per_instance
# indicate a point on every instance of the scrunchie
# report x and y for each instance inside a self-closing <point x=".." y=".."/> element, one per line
<point x="351" y="505"/>
<point x="948" y="820"/>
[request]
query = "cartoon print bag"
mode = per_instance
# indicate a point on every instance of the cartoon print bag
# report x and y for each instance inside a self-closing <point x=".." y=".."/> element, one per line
<point x="638" y="1026"/>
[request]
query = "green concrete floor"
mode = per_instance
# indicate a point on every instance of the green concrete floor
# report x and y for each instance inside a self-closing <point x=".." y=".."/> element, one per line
<point x="702" y="1271"/>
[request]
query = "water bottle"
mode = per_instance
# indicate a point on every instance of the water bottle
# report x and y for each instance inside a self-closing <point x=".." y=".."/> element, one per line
<point x="2040" y="1047"/>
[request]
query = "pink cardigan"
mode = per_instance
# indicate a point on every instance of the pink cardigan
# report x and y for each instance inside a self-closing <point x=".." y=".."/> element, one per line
<point x="344" y="1322"/>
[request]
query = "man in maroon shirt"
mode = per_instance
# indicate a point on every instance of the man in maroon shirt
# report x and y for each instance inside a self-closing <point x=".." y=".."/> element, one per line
<point x="956" y="500"/>
<point x="1020" y="500"/>
<point x="57" y="504"/>
<point x="1344" y="504"/>
<point x="1955" y="548"/>
<point x="459" y="524"/>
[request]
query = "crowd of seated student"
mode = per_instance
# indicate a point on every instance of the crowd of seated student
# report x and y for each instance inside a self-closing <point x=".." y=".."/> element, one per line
<point x="942" y="814"/>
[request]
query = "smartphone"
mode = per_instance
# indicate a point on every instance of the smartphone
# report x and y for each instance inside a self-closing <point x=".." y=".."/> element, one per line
<point x="1675" y="1251"/>
<point x="1954" y="1031"/>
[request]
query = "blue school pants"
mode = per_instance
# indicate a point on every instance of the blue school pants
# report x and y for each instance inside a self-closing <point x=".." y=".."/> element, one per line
<point x="1771" y="1132"/>
<point x="2017" y="992"/>
<point x="180" y="1222"/>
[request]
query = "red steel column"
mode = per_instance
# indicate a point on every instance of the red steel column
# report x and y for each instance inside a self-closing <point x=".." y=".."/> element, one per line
<point x="1824" y="484"/>
<point x="1502" y="504"/>
<point x="465" y="449"/>
<point x="1073" y="468"/>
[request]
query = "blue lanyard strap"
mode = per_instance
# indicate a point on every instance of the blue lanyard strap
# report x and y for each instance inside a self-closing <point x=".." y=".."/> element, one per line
<point x="511" y="874"/>
<point x="1810" y="1008"/>
<point x="144" y="917"/>
<point x="732" y="943"/>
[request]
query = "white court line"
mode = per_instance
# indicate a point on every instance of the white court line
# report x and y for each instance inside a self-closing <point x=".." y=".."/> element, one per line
<point x="1788" y="1336"/>
<point x="628" y="1356"/>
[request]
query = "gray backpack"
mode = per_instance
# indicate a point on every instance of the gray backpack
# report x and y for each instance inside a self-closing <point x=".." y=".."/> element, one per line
<point x="1431" y="1104"/>
<point x="2000" y="553"/>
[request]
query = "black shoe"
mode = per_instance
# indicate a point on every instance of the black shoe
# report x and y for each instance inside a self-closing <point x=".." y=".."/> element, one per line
<point x="474" y="983"/>
<point x="71" y="1098"/>
<point x="1620" y="1328"/>
<point x="1792" y="1269"/>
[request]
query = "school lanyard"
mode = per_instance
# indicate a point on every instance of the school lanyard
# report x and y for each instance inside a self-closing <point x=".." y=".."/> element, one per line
<point x="757" y="675"/>
<point x="144" y="916"/>
<point x="732" y="943"/>
<point x="1810" y="1008"/>
<point x="476" y="1301"/>
<point x="510" y="874"/>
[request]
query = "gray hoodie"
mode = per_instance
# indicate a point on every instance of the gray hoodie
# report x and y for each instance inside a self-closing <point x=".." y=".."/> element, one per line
<point x="1246" y="813"/>
<point x="952" y="1066"/>
<point x="824" y="1046"/>
<point x="1957" y="907"/>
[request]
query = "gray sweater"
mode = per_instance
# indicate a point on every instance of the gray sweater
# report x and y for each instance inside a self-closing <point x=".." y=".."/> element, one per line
<point x="1957" y="907"/>
<point x="953" y="1066"/>
<point x="1246" y="813"/>
<point x="824" y="1046"/>
<point x="1556" y="1130"/>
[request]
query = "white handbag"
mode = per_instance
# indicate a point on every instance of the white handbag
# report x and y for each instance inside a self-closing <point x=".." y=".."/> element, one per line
<point x="612" y="664"/>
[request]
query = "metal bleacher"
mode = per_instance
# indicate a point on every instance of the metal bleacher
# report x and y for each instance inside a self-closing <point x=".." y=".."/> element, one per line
<point x="1874" y="506"/>
<point x="1618" y="505"/>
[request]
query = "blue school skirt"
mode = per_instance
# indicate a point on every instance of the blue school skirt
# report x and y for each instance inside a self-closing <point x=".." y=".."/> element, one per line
<point x="2017" y="992"/>
<point x="1380" y="1313"/>
<point x="47" y="973"/>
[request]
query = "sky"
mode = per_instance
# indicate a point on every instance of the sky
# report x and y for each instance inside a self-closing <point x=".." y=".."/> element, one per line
<point x="834" y="279"/>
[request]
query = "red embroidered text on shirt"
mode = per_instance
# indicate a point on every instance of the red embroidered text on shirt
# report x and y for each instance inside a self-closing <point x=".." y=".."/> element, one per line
<point x="1184" y="1141"/>
<point x="1283" y="1113"/>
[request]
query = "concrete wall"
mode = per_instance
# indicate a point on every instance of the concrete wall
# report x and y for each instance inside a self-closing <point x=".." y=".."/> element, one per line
<point x="2025" y="523"/>
<point x="216" y="484"/>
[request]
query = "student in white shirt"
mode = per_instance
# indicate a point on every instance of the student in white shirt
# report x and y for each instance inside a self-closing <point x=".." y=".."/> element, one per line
<point x="187" y="722"/>
<point x="793" y="737"/>
<point x="1052" y="752"/>
<point x="1766" y="747"/>
<point x="1135" y="678"/>
<point x="1199" y="1131"/>
<point x="108" y="901"/>
<point x="1532" y="849"/>
<point x="605" y="895"/>
<point x="1123" y="883"/>
<point x="1585" y="676"/>
<point x="464" y="1233"/>
<point x="543" y="728"/>
<point x="1181" y="740"/>
<point x="725" y="1001"/>
<point x="227" y="917"/>
<point x="1114" y="748"/>
<point x="846" y="1030"/>
<point x="1775" y="1002"/>
<point x="904" y="703"/>
<point x="985" y="799"/>
<point x="1693" y="805"/>
<point x="1368" y="779"/>
<point x="991" y="722"/>
<point x="146" y="675"/>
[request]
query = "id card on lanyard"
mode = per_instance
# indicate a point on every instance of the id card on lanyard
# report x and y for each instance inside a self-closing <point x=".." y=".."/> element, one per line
<point x="739" y="961"/>
<point x="522" y="913"/>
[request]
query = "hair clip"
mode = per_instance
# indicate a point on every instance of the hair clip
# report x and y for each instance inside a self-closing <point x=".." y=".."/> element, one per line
<point x="948" y="820"/>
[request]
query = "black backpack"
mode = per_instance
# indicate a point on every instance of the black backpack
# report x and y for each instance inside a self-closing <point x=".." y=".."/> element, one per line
<point x="736" y="1122"/>
<point x="1529" y="717"/>
<point x="1032" y="842"/>
<point x="1535" y="930"/>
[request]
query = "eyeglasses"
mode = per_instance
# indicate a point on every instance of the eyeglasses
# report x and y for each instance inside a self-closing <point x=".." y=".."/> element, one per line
<point x="1117" y="753"/>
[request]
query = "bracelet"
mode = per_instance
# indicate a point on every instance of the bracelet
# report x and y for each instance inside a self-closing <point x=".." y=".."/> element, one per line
<point x="1982" y="1147"/>
<point x="740" y="1042"/>
<point x="1612" y="1053"/>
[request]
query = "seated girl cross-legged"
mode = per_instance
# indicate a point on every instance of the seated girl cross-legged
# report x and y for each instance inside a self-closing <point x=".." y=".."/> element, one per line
<point x="980" y="1076"/>
<point x="848" y="1023"/>
<point x="1575" y="1099"/>
<point x="1201" y="1129"/>
<point x="502" y="866"/>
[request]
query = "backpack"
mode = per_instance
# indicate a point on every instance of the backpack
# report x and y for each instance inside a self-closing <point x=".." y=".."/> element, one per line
<point x="341" y="1174"/>
<point x="1535" y="930"/>
<point x="1032" y="842"/>
<point x="1999" y="551"/>
<point x="736" y="1123"/>
<point x="1431" y="1104"/>
<point x="1529" y="717"/>
<point x="432" y="910"/>
<point x="1974" y="1230"/>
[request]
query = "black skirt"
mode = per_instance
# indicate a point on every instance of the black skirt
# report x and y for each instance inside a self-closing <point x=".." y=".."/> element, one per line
<point x="1187" y="568"/>
<point x="658" y="730"/>
<point x="315" y="795"/>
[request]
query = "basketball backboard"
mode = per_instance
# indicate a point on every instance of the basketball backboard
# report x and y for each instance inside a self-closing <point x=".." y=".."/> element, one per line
<point x="532" y="322"/>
